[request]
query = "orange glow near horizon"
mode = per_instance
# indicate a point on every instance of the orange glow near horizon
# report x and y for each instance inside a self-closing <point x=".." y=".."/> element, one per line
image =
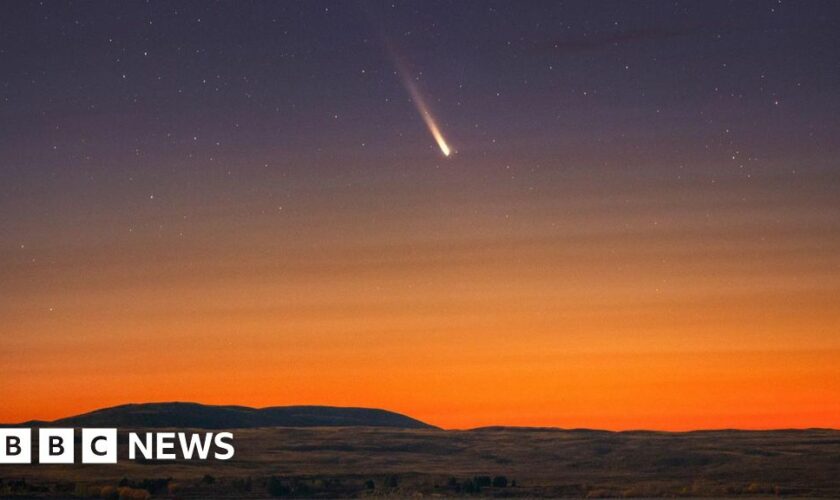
<point x="583" y="314"/>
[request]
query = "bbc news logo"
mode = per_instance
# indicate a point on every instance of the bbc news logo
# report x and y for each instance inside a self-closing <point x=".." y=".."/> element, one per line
<point x="100" y="446"/>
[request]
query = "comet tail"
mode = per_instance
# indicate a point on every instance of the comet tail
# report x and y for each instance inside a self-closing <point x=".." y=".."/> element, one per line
<point x="423" y="109"/>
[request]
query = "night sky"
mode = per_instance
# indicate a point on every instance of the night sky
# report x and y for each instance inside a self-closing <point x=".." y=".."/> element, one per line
<point x="241" y="203"/>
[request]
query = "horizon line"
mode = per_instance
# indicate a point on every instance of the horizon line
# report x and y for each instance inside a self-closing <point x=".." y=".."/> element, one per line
<point x="436" y="427"/>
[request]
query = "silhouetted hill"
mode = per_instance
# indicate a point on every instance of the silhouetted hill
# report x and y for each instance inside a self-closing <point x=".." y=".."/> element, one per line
<point x="232" y="417"/>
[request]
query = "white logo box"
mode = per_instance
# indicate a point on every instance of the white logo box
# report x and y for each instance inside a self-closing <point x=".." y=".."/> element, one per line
<point x="15" y="446"/>
<point x="57" y="446"/>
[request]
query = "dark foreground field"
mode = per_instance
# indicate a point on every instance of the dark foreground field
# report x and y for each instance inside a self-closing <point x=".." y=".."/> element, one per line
<point x="336" y="462"/>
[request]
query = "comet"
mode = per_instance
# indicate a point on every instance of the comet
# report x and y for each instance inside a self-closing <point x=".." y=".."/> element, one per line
<point x="422" y="107"/>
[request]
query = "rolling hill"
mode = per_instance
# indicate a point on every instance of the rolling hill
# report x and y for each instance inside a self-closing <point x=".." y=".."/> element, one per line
<point x="194" y="415"/>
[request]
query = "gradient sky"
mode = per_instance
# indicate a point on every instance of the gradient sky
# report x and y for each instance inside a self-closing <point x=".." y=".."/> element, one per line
<point x="238" y="203"/>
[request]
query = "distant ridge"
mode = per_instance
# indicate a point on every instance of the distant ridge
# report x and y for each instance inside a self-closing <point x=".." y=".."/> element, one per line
<point x="195" y="415"/>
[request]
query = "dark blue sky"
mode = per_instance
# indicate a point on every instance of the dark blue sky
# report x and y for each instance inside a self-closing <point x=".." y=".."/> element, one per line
<point x="541" y="75"/>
